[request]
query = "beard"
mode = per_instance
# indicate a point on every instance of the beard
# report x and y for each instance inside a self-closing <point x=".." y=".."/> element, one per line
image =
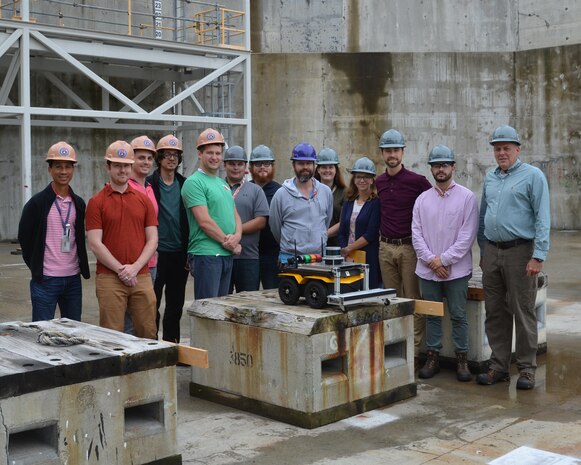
<point x="304" y="175"/>
<point x="262" y="177"/>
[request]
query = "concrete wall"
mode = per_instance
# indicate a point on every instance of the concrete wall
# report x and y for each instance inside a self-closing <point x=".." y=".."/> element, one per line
<point x="327" y="26"/>
<point x="347" y="100"/>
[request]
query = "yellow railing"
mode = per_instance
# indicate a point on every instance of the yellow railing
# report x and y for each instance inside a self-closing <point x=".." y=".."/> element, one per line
<point x="219" y="26"/>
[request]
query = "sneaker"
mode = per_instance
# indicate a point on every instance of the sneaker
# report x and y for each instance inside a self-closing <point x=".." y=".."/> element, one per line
<point x="492" y="377"/>
<point x="526" y="380"/>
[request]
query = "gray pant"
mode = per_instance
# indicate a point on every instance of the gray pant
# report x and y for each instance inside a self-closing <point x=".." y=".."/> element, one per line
<point x="509" y="293"/>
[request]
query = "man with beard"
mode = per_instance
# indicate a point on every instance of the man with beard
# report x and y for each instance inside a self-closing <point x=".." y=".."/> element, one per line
<point x="252" y="207"/>
<point x="122" y="233"/>
<point x="262" y="172"/>
<point x="444" y="227"/>
<point x="398" y="189"/>
<point x="215" y="227"/>
<point x="301" y="212"/>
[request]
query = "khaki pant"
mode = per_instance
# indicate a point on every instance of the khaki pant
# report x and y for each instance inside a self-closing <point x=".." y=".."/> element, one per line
<point x="510" y="294"/>
<point x="139" y="301"/>
<point x="398" y="270"/>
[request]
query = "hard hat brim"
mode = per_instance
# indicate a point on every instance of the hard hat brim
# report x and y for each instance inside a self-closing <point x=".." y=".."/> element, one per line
<point x="494" y="141"/>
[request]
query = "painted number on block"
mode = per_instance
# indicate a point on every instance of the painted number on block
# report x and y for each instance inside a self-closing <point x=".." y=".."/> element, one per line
<point x="241" y="359"/>
<point x="333" y="345"/>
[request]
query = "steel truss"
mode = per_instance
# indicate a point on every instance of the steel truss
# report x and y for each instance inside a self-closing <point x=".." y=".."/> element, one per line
<point x="146" y="64"/>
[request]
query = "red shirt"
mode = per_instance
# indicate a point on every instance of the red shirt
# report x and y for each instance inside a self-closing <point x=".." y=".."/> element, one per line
<point x="123" y="219"/>
<point x="397" y="195"/>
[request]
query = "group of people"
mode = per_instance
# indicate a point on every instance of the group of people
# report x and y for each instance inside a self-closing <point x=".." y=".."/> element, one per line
<point x="148" y="230"/>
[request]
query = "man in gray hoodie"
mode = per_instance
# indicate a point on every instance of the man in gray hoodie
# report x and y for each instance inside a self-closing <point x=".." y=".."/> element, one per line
<point x="301" y="212"/>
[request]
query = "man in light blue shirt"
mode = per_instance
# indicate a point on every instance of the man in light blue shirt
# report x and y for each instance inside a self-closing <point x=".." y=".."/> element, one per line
<point x="514" y="241"/>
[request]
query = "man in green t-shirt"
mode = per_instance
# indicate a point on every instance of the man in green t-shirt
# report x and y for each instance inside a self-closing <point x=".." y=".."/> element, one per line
<point x="215" y="227"/>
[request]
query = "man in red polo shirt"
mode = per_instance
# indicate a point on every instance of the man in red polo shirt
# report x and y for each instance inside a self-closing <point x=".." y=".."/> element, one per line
<point x="398" y="188"/>
<point x="122" y="233"/>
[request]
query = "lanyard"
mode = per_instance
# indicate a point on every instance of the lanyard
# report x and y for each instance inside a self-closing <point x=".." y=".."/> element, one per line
<point x="235" y="193"/>
<point x="65" y="223"/>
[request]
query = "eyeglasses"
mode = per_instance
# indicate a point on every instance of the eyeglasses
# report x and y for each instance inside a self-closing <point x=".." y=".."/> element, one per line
<point x="441" y="165"/>
<point x="363" y="178"/>
<point x="169" y="155"/>
<point x="260" y="164"/>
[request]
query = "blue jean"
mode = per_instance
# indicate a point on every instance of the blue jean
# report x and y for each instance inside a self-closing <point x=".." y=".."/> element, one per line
<point x="456" y="292"/>
<point x="211" y="275"/>
<point x="245" y="275"/>
<point x="67" y="291"/>
<point x="269" y="271"/>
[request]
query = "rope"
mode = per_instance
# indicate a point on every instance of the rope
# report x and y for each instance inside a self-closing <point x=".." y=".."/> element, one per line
<point x="54" y="338"/>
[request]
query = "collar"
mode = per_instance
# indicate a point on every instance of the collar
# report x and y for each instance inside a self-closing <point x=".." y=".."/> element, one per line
<point x="445" y="193"/>
<point x="512" y="168"/>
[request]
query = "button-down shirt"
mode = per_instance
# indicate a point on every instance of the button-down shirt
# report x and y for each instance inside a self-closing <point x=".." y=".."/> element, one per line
<point x="397" y="195"/>
<point x="515" y="205"/>
<point x="445" y="224"/>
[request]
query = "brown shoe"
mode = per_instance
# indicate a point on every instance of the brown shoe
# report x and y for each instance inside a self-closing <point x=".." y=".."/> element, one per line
<point x="432" y="365"/>
<point x="526" y="380"/>
<point x="462" y="371"/>
<point x="492" y="377"/>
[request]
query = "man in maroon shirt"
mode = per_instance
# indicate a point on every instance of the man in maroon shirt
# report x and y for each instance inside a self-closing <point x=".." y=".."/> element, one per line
<point x="398" y="189"/>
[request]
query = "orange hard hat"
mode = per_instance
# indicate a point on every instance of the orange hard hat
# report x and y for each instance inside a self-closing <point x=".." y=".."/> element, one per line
<point x="61" y="151"/>
<point x="169" y="142"/>
<point x="143" y="143"/>
<point x="210" y="136"/>
<point x="120" y="152"/>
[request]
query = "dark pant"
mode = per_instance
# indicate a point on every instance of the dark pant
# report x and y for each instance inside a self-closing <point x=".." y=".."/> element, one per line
<point x="211" y="275"/>
<point x="245" y="275"/>
<point x="510" y="294"/>
<point x="172" y="274"/>
<point x="269" y="271"/>
<point x="67" y="291"/>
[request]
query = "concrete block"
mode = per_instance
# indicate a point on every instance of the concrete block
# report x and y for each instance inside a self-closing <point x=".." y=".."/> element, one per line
<point x="300" y="365"/>
<point x="61" y="409"/>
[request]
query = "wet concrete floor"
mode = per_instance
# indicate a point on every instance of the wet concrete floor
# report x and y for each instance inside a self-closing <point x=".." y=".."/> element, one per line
<point x="447" y="423"/>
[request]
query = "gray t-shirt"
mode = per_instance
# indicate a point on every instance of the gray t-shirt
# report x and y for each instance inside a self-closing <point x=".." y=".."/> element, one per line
<point x="250" y="203"/>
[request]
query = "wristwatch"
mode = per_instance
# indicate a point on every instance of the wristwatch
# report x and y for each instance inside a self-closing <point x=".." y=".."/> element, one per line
<point x="538" y="259"/>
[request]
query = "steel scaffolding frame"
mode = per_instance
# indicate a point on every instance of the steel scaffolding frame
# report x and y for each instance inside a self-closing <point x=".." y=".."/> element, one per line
<point x="26" y="47"/>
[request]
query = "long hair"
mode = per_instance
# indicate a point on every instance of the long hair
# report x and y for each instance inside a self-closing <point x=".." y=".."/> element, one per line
<point x="352" y="193"/>
<point x="338" y="181"/>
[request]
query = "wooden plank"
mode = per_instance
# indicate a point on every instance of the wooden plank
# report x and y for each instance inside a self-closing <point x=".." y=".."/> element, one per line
<point x="192" y="356"/>
<point x="475" y="293"/>
<point x="428" y="307"/>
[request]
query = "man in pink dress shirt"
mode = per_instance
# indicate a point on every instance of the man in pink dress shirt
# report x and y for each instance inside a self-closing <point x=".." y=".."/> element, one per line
<point x="444" y="227"/>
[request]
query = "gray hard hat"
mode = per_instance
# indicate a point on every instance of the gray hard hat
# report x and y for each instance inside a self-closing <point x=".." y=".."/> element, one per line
<point x="505" y="133"/>
<point x="441" y="154"/>
<point x="364" y="165"/>
<point x="261" y="153"/>
<point x="391" y="139"/>
<point x="235" y="153"/>
<point x="327" y="156"/>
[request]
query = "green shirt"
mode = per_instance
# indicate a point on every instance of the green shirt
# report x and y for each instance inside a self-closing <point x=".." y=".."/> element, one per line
<point x="214" y="193"/>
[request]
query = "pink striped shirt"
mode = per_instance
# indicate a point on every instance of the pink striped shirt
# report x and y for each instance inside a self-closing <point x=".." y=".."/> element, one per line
<point x="57" y="263"/>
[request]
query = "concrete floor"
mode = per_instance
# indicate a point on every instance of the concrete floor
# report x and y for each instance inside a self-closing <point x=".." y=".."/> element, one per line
<point x="447" y="423"/>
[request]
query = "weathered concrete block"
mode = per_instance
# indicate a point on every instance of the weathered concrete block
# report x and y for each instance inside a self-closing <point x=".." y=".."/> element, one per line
<point x="110" y="400"/>
<point x="300" y="365"/>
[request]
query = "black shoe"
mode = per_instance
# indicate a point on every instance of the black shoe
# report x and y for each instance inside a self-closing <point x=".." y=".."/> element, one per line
<point x="492" y="377"/>
<point x="526" y="380"/>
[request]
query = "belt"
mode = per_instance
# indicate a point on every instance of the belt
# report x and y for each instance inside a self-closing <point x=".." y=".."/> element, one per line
<point x="510" y="244"/>
<point x="402" y="241"/>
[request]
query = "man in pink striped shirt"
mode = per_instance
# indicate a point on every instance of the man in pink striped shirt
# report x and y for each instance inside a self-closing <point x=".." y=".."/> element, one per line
<point x="51" y="233"/>
<point x="444" y="227"/>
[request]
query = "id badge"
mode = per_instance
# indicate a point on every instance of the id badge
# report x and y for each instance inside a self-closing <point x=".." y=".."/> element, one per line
<point x="66" y="239"/>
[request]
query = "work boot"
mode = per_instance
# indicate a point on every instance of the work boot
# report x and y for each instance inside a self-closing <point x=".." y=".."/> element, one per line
<point x="462" y="371"/>
<point x="492" y="377"/>
<point x="526" y="380"/>
<point x="432" y="365"/>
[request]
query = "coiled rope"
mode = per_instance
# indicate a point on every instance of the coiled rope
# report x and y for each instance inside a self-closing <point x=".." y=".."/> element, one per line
<point x="55" y="338"/>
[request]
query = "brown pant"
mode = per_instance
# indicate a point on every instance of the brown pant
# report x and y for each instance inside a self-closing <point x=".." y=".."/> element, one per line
<point x="139" y="301"/>
<point x="398" y="270"/>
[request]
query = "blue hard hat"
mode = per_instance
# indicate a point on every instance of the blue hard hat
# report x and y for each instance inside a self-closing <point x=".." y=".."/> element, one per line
<point x="304" y="152"/>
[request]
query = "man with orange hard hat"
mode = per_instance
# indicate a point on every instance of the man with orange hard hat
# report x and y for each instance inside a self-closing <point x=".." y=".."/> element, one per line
<point x="51" y="233"/>
<point x="215" y="227"/>
<point x="122" y="233"/>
